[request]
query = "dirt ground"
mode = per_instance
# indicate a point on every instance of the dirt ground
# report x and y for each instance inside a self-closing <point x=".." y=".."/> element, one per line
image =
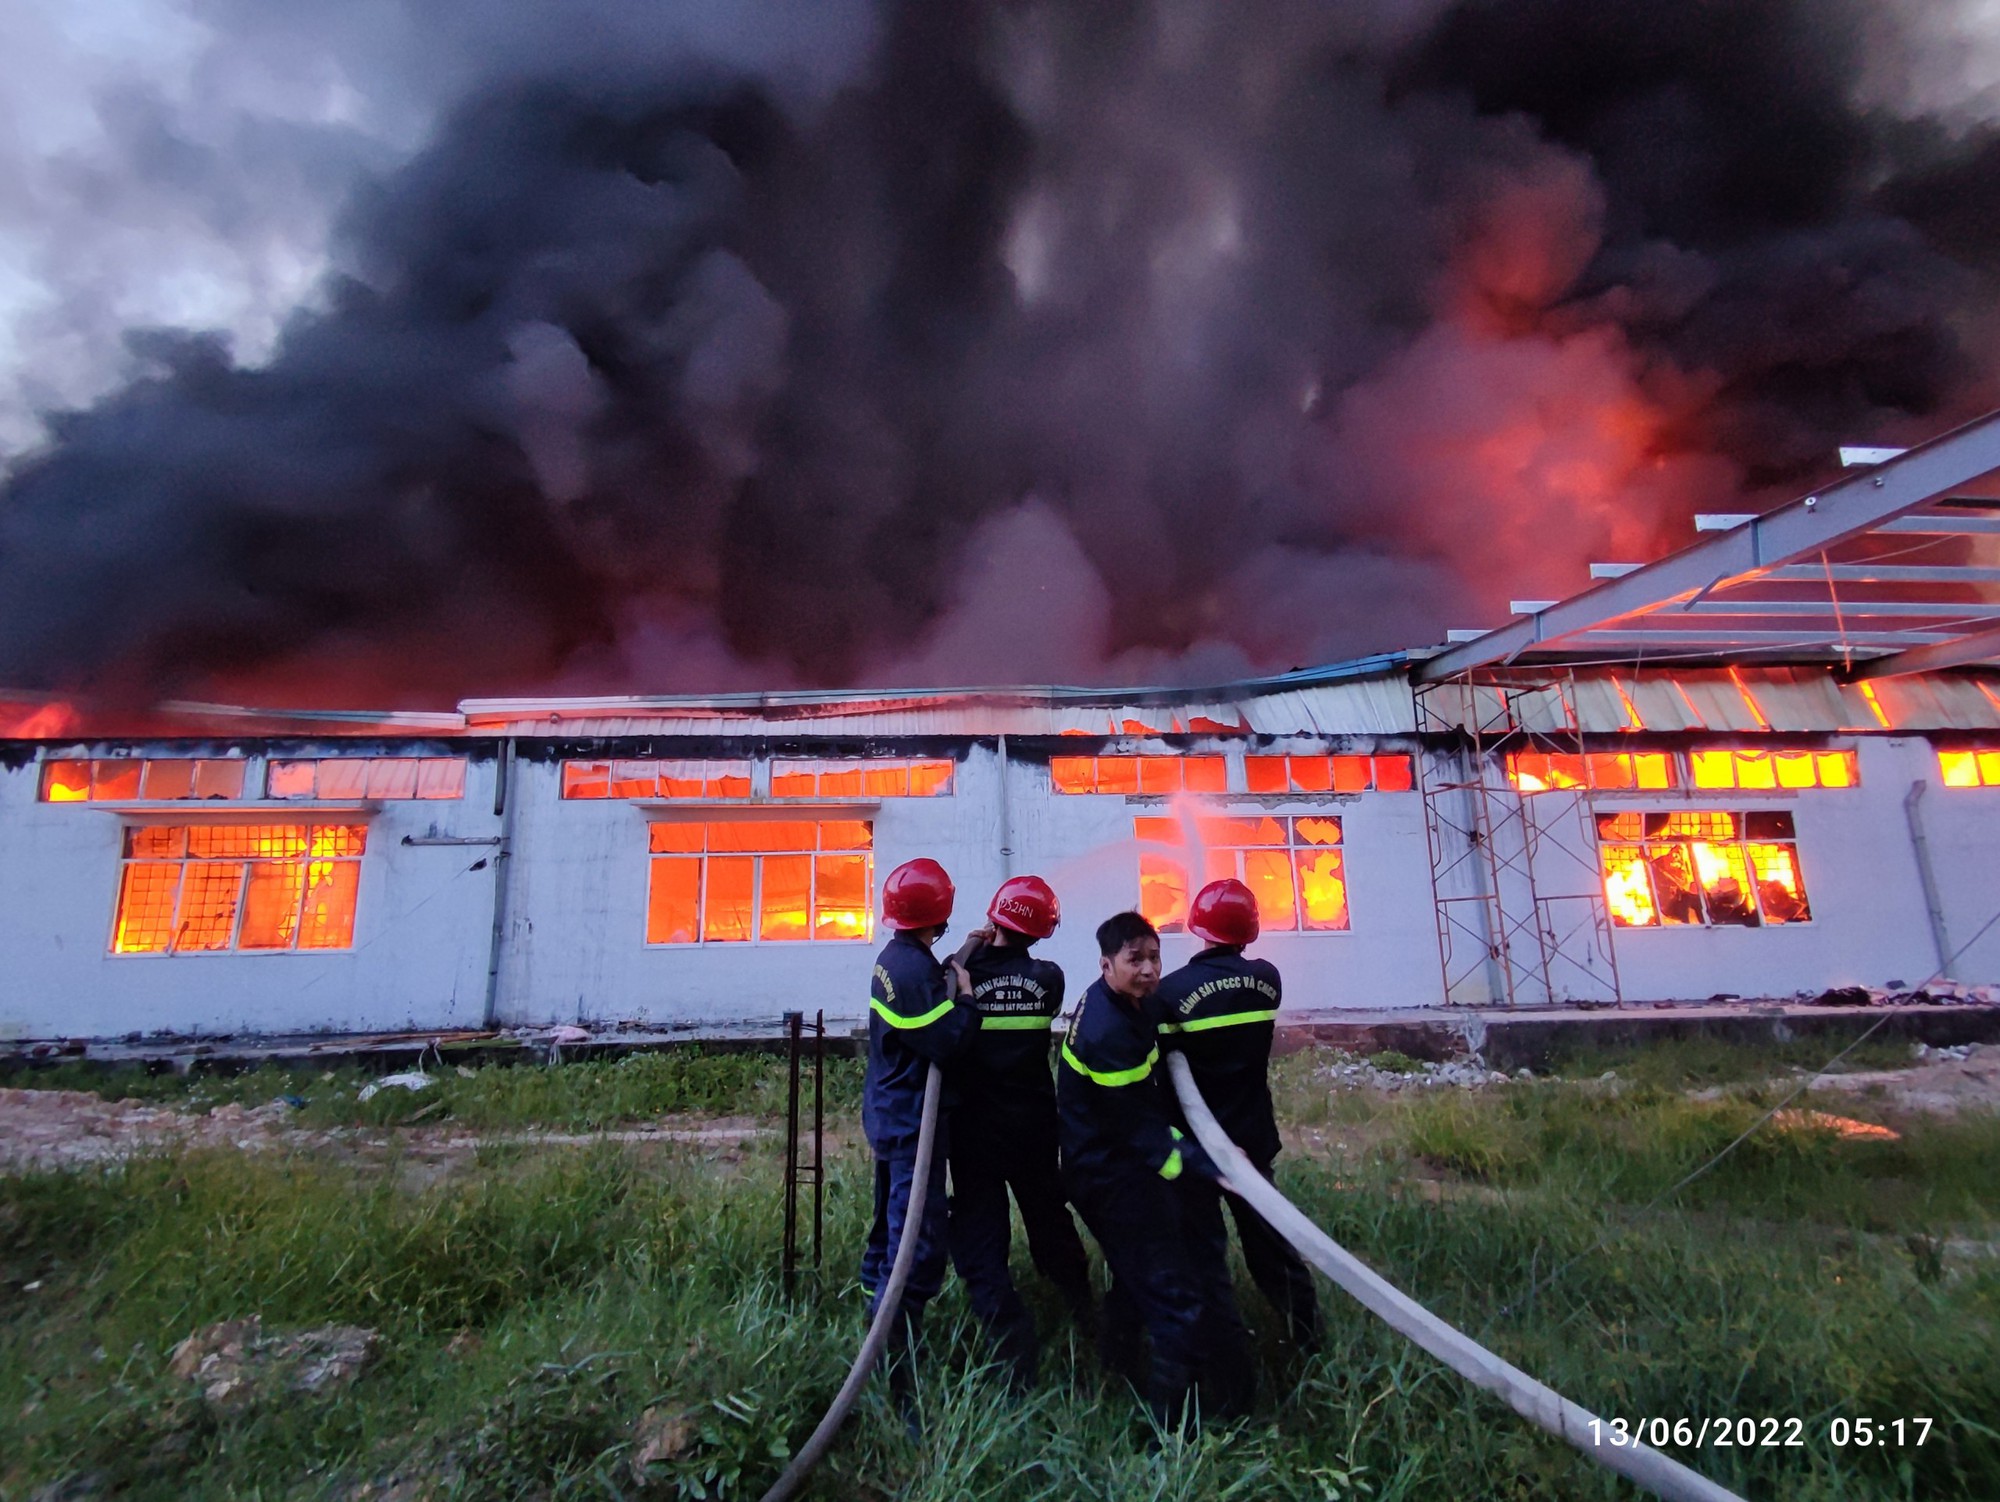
<point x="1944" y="1082"/>
<point x="41" y="1129"/>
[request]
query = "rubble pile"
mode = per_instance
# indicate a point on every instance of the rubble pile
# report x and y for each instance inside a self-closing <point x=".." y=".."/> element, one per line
<point x="237" y="1363"/>
<point x="1932" y="993"/>
<point x="1396" y="1072"/>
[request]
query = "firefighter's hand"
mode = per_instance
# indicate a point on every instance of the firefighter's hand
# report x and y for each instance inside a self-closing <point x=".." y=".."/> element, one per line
<point x="961" y="980"/>
<point x="973" y="940"/>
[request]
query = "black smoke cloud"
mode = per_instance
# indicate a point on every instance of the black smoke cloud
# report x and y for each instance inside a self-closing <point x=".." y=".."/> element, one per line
<point x="1022" y="341"/>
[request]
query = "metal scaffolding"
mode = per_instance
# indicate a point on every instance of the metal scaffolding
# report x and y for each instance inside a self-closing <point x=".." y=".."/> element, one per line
<point x="1521" y="915"/>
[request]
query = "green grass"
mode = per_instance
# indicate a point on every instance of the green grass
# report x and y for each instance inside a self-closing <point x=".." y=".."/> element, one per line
<point x="1682" y="1062"/>
<point x="1392" y="1061"/>
<point x="1630" y="1146"/>
<point x="574" y="1097"/>
<point x="535" y="1304"/>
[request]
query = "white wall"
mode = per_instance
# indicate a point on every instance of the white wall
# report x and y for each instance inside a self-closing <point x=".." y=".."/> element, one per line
<point x="576" y="944"/>
<point x="422" y="926"/>
<point x="576" y="947"/>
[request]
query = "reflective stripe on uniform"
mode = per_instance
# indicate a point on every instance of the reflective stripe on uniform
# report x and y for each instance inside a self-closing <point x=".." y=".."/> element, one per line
<point x="896" y="1020"/>
<point x="1228" y="1019"/>
<point x="1171" y="1169"/>
<point x="1015" y="1022"/>
<point x="1130" y="1076"/>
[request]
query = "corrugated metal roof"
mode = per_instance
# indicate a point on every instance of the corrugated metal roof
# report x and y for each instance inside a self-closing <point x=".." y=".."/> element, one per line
<point x="1372" y="697"/>
<point x="1381" y="705"/>
<point x="1735" y="701"/>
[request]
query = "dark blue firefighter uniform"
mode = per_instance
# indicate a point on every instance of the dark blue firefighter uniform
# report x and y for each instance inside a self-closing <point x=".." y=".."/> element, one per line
<point x="1221" y="1013"/>
<point x="912" y="1023"/>
<point x="1122" y="1158"/>
<point x="1003" y="1136"/>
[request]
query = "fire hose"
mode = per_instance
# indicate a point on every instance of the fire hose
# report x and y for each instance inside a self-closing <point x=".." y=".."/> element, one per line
<point x="887" y="1309"/>
<point x="1539" y="1404"/>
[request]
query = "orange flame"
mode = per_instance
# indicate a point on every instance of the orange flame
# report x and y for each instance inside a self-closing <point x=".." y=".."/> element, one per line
<point x="1756" y="713"/>
<point x="1875" y="704"/>
<point x="1845" y="1127"/>
<point x="1627" y="892"/>
<point x="1631" y="710"/>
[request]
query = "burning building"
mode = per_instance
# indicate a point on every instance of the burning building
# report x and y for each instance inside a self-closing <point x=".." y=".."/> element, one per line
<point x="1767" y="763"/>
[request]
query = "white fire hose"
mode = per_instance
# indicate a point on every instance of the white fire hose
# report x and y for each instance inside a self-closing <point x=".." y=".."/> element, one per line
<point x="887" y="1309"/>
<point x="1540" y="1405"/>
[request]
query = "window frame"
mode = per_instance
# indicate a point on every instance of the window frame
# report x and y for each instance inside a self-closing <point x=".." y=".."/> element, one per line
<point x="1682" y="761"/>
<point x="809" y="813"/>
<point x="1235" y="767"/>
<point x="1742" y="842"/>
<point x="821" y="766"/>
<point x="1292" y="849"/>
<point x="1371" y="760"/>
<point x="172" y="950"/>
<point x="714" y="769"/>
<point x="142" y="766"/>
<point x="367" y="764"/>
<point x="1979" y="755"/>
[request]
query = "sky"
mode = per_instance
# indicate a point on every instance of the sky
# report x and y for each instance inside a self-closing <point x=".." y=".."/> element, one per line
<point x="389" y="350"/>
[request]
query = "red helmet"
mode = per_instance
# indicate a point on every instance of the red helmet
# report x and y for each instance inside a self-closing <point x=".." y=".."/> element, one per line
<point x="917" y="894"/>
<point x="1026" y="904"/>
<point x="1224" y="912"/>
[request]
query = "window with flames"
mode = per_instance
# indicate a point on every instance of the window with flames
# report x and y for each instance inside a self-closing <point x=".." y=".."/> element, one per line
<point x="723" y="781"/>
<point x="656" y="779"/>
<point x="1969" y="769"/>
<point x="1327" y="774"/>
<point x="1609" y="771"/>
<point x="198" y="779"/>
<point x="1296" y="866"/>
<point x="1702" y="869"/>
<point x="874" y="778"/>
<point x="760" y="881"/>
<point x="204" y="888"/>
<point x="133" y="780"/>
<point x="1139" y="774"/>
<point x="1265" y="775"/>
<point x="1711" y="769"/>
<point x="372" y="777"/>
<point x="1761" y="771"/>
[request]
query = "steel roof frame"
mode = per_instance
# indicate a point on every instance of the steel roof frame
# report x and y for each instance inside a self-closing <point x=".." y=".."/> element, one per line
<point x="1784" y="546"/>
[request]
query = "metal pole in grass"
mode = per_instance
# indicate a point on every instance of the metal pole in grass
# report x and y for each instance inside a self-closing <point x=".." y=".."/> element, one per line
<point x="819" y="1137"/>
<point x="889" y="1308"/>
<point x="1539" y="1404"/>
<point x="794" y="1025"/>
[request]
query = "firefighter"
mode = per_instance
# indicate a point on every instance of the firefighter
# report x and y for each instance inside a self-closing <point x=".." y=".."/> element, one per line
<point x="1219" y="1011"/>
<point x="1003" y="1126"/>
<point x="918" y="1014"/>
<point x="1122" y="1160"/>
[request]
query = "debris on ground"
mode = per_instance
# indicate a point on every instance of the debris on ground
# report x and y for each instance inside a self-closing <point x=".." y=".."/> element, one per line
<point x="236" y="1363"/>
<point x="1391" y="1071"/>
<point x="661" y="1434"/>
<point x="1896" y="994"/>
<point x="414" y="1079"/>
